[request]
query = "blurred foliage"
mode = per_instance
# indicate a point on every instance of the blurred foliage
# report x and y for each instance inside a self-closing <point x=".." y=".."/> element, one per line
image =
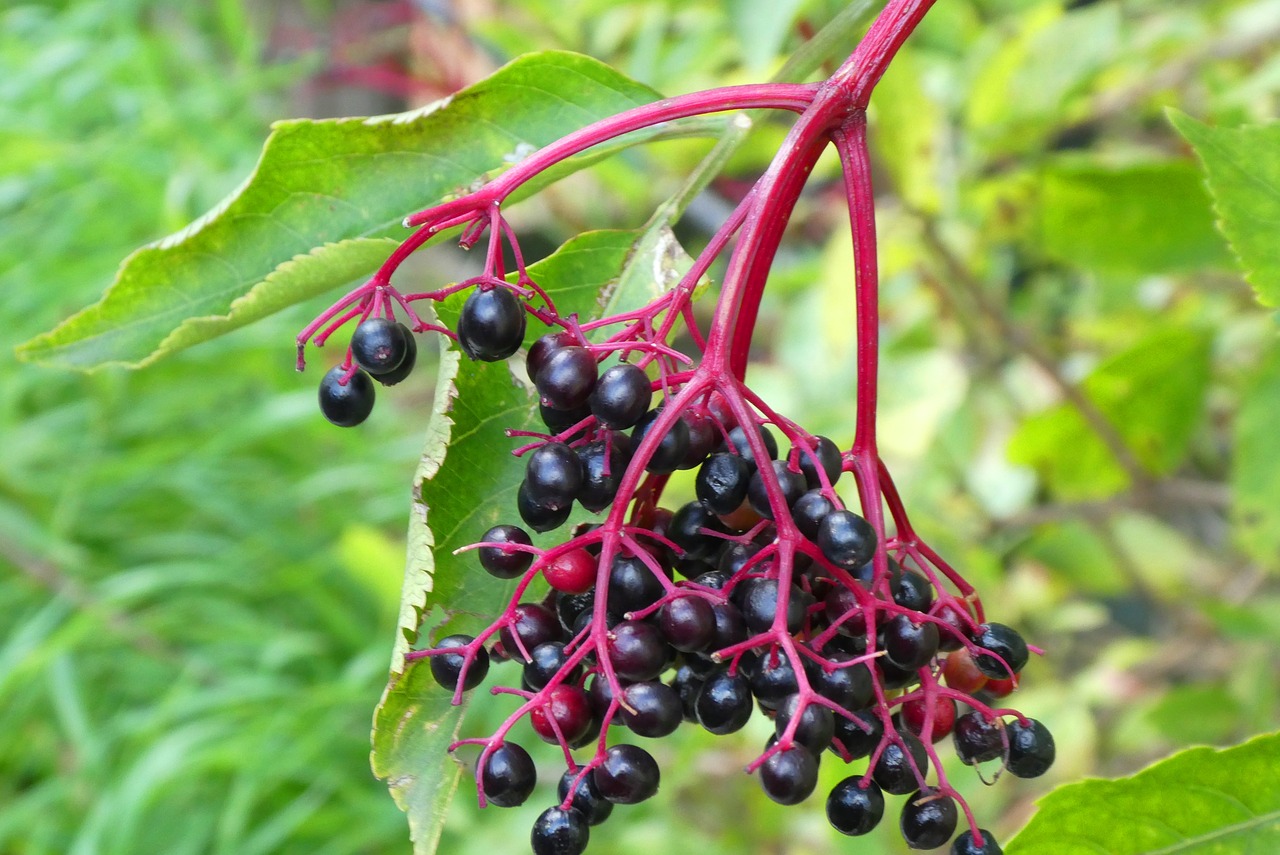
<point x="1079" y="390"/>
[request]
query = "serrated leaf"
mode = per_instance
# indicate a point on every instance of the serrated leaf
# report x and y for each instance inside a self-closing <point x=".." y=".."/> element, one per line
<point x="328" y="182"/>
<point x="1149" y="218"/>
<point x="1197" y="802"/>
<point x="1152" y="394"/>
<point x="1255" y="465"/>
<point x="1243" y="169"/>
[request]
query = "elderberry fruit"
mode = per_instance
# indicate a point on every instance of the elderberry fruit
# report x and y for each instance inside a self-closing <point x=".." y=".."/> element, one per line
<point x="545" y="661"/>
<point x="655" y="709"/>
<point x="673" y="446"/>
<point x="686" y="531"/>
<point x="845" y="612"/>
<point x="738" y="439"/>
<point x="687" y="683"/>
<point x="894" y="771"/>
<point x="704" y="436"/>
<point x="566" y="710"/>
<point x="405" y="368"/>
<point x="447" y="668"/>
<point x="632" y="585"/>
<point x="587" y="800"/>
<point x="621" y="396"/>
<point x="976" y="739"/>
<point x="966" y="845"/>
<point x="724" y="703"/>
<point x="733" y="557"/>
<point x="567" y="377"/>
<point x="773" y="679"/>
<point x="379" y="345"/>
<point x="849" y="687"/>
<point x="788" y="777"/>
<point x="722" y="483"/>
<point x="1031" y="749"/>
<point x="908" y="644"/>
<point x="541" y="349"/>
<point x="730" y="628"/>
<point x="826" y="457"/>
<point x="628" y="774"/>
<point x="1003" y="642"/>
<point x="491" y="326"/>
<point x="687" y="622"/>
<point x="499" y="563"/>
<point x="809" y="511"/>
<point x="559" y="421"/>
<point x="912" y="590"/>
<point x="531" y="625"/>
<point x="758" y="600"/>
<point x="539" y="516"/>
<point x="553" y="475"/>
<point x="572" y="572"/>
<point x="560" y="832"/>
<point x="346" y="405"/>
<point x="859" y="735"/>
<point x="508" y="775"/>
<point x="846" y="539"/>
<point x="815" y="728"/>
<point x="928" y="819"/>
<point x="604" y="462"/>
<point x="636" y="650"/>
<point x="853" y="809"/>
<point x="791" y="485"/>
<point x="915" y="711"/>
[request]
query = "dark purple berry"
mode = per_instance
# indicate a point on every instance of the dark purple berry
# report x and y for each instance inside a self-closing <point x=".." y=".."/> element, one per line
<point x="846" y="539"/>
<point x="621" y="396"/>
<point x="501" y="564"/>
<point x="853" y="810"/>
<point x="346" y="405"/>
<point x="599" y="487"/>
<point x="447" y="668"/>
<point x="628" y="775"/>
<point x="908" y="644"/>
<point x="686" y="531"/>
<point x="912" y="590"/>
<point x="859" y="735"/>
<point x="559" y="421"/>
<point x="532" y="624"/>
<point x="815" y="727"/>
<point x="724" y="703"/>
<point x="673" y="446"/>
<point x="704" y="436"/>
<point x="1031" y="749"/>
<point x="976" y="739"/>
<point x="655" y="709"/>
<point x="738" y="439"/>
<point x="730" y="628"/>
<point x="567" y="377"/>
<point x="1004" y="642"/>
<point x="587" y="800"/>
<point x="722" y="483"/>
<point x="553" y="475"/>
<point x="928" y="819"/>
<point x="773" y="679"/>
<point x="560" y="832"/>
<point x="788" y="777"/>
<point x="825" y="457"/>
<point x="536" y="515"/>
<point x="508" y="775"/>
<point x="809" y="511"/>
<point x="545" y="661"/>
<point x="791" y="484"/>
<point x="965" y="844"/>
<point x="491" y="326"/>
<point x="632" y="585"/>
<point x="894" y="771"/>
<point x="636" y="650"/>
<point x="687" y="683"/>
<point x="380" y="345"/>
<point x="688" y="623"/>
<point x="541" y="349"/>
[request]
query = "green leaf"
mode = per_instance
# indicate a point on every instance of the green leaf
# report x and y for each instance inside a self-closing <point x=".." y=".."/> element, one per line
<point x="331" y="182"/>
<point x="1152" y="394"/>
<point x="466" y="482"/>
<point x="1255" y="466"/>
<point x="1150" y="218"/>
<point x="1198" y="801"/>
<point x="1243" y="168"/>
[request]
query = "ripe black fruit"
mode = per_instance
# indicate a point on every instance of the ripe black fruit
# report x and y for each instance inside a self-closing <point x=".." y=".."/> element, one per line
<point x="789" y="776"/>
<point x="655" y="709"/>
<point x="543" y="348"/>
<point x="809" y="511"/>
<point x="380" y="345"/>
<point x="853" y="810"/>
<point x="894" y="772"/>
<point x="861" y="734"/>
<point x="560" y="832"/>
<point x="632" y="585"/>
<point x="391" y="378"/>
<point x="976" y="739"/>
<point x="724" y="703"/>
<point x="628" y="775"/>
<point x="536" y="515"/>
<point x="531" y="625"/>
<point x="738" y="439"/>
<point x="791" y="483"/>
<point x="1031" y="749"/>
<point x="446" y="668"/>
<point x="671" y="449"/>
<point x="636" y="650"/>
<point x="908" y="644"/>
<point x="566" y="379"/>
<point x="846" y="539"/>
<point x="722" y="483"/>
<point x="621" y="396"/>
<point x="1004" y="642"/>
<point x="826" y="457"/>
<point x="587" y="800"/>
<point x="686" y="528"/>
<point x="349" y="405"/>
<point x="491" y="326"/>
<point x="613" y="453"/>
<point x="545" y="661"/>
<point x="688" y="623"/>
<point x="928" y="820"/>
<point x="505" y="565"/>
<point x="965" y="845"/>
<point x="553" y="475"/>
<point x="814" y="729"/>
<point x="508" y="775"/>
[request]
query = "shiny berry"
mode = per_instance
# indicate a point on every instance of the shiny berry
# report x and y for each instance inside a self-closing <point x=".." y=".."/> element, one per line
<point x="825" y="457"/>
<point x="788" y="777"/>
<point x="560" y="832"/>
<point x="724" y="703"/>
<point x="553" y="475"/>
<point x="908" y="644"/>
<point x="790" y="483"/>
<point x="859" y="735"/>
<point x="853" y="809"/>
<point x="628" y="775"/>
<point x="722" y="483"/>
<point x="960" y="673"/>
<point x="539" y="515"/>
<point x="738" y="439"/>
<point x="346" y="405"/>
<point x="587" y="800"/>
<point x="965" y="844"/>
<point x="565" y="709"/>
<point x="815" y="727"/>
<point x="531" y="624"/>
<point x="604" y="462"/>
<point x="1002" y="643"/>
<point x="1031" y="749"/>
<point x="573" y="572"/>
<point x="447" y="668"/>
<point x="491" y="326"/>
<point x="655" y="709"/>
<point x="502" y="564"/>
<point x="508" y="775"/>
<point x="976" y="739"/>
<point x="809" y="511"/>
<point x="380" y="345"/>
<point x="671" y="449"/>
<point x="541" y="349"/>
<point x="687" y="622"/>
<point x="916" y="710"/>
<point x="636" y="650"/>
<point x="545" y="661"/>
<point x="567" y="377"/>
<point x="846" y="539"/>
<point x="895" y="772"/>
<point x="928" y="819"/>
<point x="621" y="396"/>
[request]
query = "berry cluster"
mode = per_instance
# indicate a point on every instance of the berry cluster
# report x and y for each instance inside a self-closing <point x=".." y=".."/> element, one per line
<point x="766" y="592"/>
<point x="706" y="613"/>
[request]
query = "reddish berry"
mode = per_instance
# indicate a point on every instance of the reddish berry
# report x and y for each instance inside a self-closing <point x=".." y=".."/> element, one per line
<point x="574" y="572"/>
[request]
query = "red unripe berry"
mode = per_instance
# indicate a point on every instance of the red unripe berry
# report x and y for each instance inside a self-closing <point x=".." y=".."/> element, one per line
<point x="1002" y="688"/>
<point x="574" y="572"/>
<point x="569" y="708"/>
<point x="944" y="716"/>
<point x="961" y="674"/>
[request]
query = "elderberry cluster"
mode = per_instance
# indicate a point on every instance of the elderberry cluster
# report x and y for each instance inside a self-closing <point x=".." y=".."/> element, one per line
<point x="706" y="613"/>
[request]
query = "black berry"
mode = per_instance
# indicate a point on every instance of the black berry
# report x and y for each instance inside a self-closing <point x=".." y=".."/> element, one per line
<point x="791" y="483"/>
<point x="587" y="800"/>
<point x="505" y="565"/>
<point x="567" y="377"/>
<point x="628" y="775"/>
<point x="447" y="668"/>
<point x="553" y="475"/>
<point x="655" y="709"/>
<point x="965" y="844"/>
<point x="894" y="771"/>
<point x="491" y="326"/>
<point x="1031" y="749"/>
<point x="621" y="396"/>
<point x="928" y="820"/>
<point x="508" y="775"/>
<point x="788" y="777"/>
<point x="671" y="449"/>
<point x="405" y="368"/>
<point x="724" y="703"/>
<point x="722" y="483"/>
<point x="976" y="739"/>
<point x="908" y="644"/>
<point x="825" y="457"/>
<point x="846" y="539"/>
<point x="853" y="809"/>
<point x="560" y="832"/>
<point x="379" y="345"/>
<point x="346" y="405"/>
<point x="536" y="515"/>
<point x="1005" y="643"/>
